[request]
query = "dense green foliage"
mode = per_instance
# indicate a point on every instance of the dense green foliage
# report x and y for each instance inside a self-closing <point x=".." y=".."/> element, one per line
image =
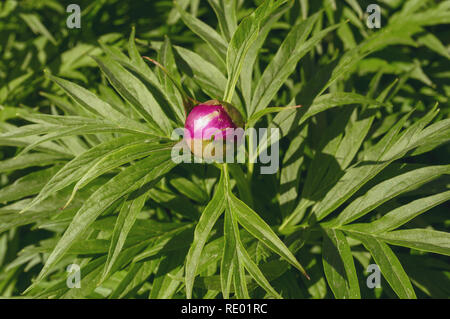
<point x="86" y="175"/>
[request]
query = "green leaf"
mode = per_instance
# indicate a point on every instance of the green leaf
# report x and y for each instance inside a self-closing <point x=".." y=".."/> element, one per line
<point x="148" y="170"/>
<point x="421" y="239"/>
<point x="175" y="239"/>
<point x="60" y="287"/>
<point x="338" y="265"/>
<point x="136" y="275"/>
<point x="258" y="228"/>
<point x="229" y="256"/>
<point x="239" y="45"/>
<point x="79" y="166"/>
<point x="95" y="105"/>
<point x="293" y="48"/>
<point x="47" y="147"/>
<point x="389" y="265"/>
<point x="355" y="177"/>
<point x="204" y="31"/>
<point x="12" y="86"/>
<point x="208" y="77"/>
<point x="433" y="43"/>
<point x="244" y="258"/>
<point x="427" y="274"/>
<point x="356" y="7"/>
<point x="165" y="283"/>
<point x="58" y="132"/>
<point x="175" y="203"/>
<point x="405" y="213"/>
<point x="226" y="14"/>
<point x="27" y="185"/>
<point x="136" y="57"/>
<point x="189" y="189"/>
<point x="172" y="90"/>
<point x="240" y="281"/>
<point x="246" y="77"/>
<point x="356" y="131"/>
<point x="242" y="183"/>
<point x="290" y="172"/>
<point x="30" y="160"/>
<point x="32" y="129"/>
<point x="389" y="189"/>
<point x="207" y="220"/>
<point x="122" y="155"/>
<point x="432" y="137"/>
<point x="136" y="93"/>
<point x="290" y="119"/>
<point x="174" y="15"/>
<point x="125" y="221"/>
<point x="256" y="116"/>
<point x="51" y="207"/>
<point x="156" y="89"/>
<point x="35" y="24"/>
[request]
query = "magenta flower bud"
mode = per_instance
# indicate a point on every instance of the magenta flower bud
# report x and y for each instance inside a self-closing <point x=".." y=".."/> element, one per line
<point x="212" y="122"/>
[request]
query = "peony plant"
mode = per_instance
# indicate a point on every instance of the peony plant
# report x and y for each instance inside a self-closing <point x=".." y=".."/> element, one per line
<point x="89" y="181"/>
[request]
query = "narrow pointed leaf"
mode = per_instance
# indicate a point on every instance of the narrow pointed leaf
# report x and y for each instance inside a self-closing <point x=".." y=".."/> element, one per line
<point x="338" y="265"/>
<point x="207" y="220"/>
<point x="148" y="169"/>
<point x="390" y="266"/>
<point x="421" y="239"/>
<point x="258" y="228"/>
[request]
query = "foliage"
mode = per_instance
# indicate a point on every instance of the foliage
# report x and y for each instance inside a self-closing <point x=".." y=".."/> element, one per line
<point x="87" y="178"/>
